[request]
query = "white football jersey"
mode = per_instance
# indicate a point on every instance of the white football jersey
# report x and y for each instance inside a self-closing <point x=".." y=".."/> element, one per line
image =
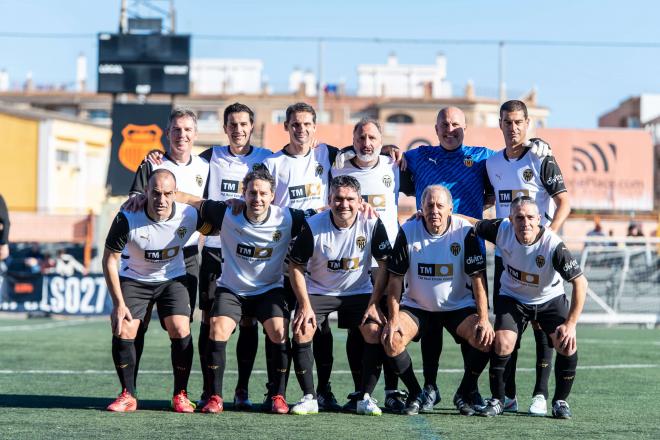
<point x="339" y="259"/>
<point x="226" y="175"/>
<point x="379" y="186"/>
<point x="437" y="268"/>
<point x="301" y="182"/>
<point x="152" y="251"/>
<point x="532" y="273"/>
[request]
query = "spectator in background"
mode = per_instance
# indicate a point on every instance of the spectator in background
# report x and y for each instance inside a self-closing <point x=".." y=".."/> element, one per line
<point x="4" y="229"/>
<point x="66" y="265"/>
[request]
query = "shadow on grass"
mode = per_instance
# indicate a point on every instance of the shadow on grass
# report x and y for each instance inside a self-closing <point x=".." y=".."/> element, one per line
<point x="77" y="402"/>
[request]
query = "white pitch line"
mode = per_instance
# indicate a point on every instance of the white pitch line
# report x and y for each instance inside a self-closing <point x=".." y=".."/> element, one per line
<point x="448" y="370"/>
<point x="615" y="342"/>
<point x="42" y="326"/>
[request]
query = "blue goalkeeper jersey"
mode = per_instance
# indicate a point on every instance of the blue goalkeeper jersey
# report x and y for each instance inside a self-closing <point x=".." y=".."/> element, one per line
<point x="462" y="171"/>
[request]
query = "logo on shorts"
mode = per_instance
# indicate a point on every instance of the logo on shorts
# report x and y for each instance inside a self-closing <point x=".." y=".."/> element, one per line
<point x="455" y="248"/>
<point x="248" y="251"/>
<point x="199" y="180"/>
<point x="468" y="161"/>
<point x="361" y="242"/>
<point x="344" y="264"/>
<point x="540" y="261"/>
<point x="319" y="170"/>
<point x="435" y="270"/>
<point x="387" y="181"/>
<point x="527" y="174"/>
<point x="277" y="235"/>
<point x="181" y="232"/>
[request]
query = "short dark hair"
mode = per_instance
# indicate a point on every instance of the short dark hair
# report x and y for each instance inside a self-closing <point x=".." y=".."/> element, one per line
<point x="237" y="107"/>
<point x="520" y="201"/>
<point x="158" y="172"/>
<point x="344" y="182"/>
<point x="181" y="112"/>
<point x="300" y="107"/>
<point x="365" y="121"/>
<point x="259" y="173"/>
<point x="513" y="106"/>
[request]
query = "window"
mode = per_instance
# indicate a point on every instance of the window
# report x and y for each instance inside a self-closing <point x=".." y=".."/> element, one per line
<point x="400" y="118"/>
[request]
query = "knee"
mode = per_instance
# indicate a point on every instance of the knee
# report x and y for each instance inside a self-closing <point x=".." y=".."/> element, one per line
<point x="302" y="338"/>
<point x="395" y="347"/>
<point x="178" y="331"/>
<point x="277" y="335"/>
<point x="371" y="333"/>
<point x="503" y="346"/>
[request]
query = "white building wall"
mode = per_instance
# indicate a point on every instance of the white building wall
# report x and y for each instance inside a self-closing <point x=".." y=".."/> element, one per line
<point x="214" y="76"/>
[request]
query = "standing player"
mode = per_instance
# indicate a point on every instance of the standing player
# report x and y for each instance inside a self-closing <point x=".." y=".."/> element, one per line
<point x="444" y="269"/>
<point x="379" y="185"/>
<point x="149" y="245"/>
<point x="462" y="170"/>
<point x="535" y="261"/>
<point x="229" y="164"/>
<point x="335" y="249"/>
<point x="515" y="171"/>
<point x="191" y="173"/>
<point x="4" y="229"/>
<point x="255" y="241"/>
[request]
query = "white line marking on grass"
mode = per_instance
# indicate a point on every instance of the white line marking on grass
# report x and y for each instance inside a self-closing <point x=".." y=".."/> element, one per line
<point x="443" y="370"/>
<point x="42" y="326"/>
<point x="615" y="342"/>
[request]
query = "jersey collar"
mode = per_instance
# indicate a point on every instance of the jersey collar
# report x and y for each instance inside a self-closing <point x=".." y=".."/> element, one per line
<point x="146" y="212"/>
<point x="168" y="157"/>
<point x="332" y="220"/>
<point x="518" y="158"/>
<point x="256" y="223"/>
<point x="440" y="234"/>
<point x="245" y="155"/>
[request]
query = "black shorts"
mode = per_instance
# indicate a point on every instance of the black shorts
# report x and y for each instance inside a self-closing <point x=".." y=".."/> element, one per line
<point x="209" y="271"/>
<point x="497" y="282"/>
<point x="514" y="316"/>
<point x="264" y="306"/>
<point x="170" y="297"/>
<point x="289" y="296"/>
<point x="350" y="308"/>
<point x="190" y="255"/>
<point x="432" y="323"/>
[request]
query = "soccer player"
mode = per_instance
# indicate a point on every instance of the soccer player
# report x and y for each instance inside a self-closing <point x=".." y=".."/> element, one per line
<point x="462" y="170"/>
<point x="535" y="262"/>
<point x="444" y="269"/>
<point x="229" y="164"/>
<point x="191" y="173"/>
<point x="4" y="229"/>
<point x="255" y="241"/>
<point x="378" y="176"/>
<point x="149" y="245"/>
<point x="335" y="249"/>
<point x="516" y="171"/>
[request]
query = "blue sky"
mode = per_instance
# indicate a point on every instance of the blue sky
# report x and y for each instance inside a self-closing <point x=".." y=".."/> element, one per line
<point x="576" y="83"/>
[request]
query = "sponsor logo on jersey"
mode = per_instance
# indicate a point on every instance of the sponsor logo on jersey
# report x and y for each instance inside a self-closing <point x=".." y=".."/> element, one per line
<point x="231" y="186"/>
<point x="468" y="161"/>
<point x="181" y="232"/>
<point x="387" y="181"/>
<point x="455" y="248"/>
<point x="155" y="255"/>
<point x="507" y="195"/>
<point x="247" y="251"/>
<point x="527" y="174"/>
<point x="540" y="261"/>
<point x="557" y="178"/>
<point x="375" y="200"/>
<point x="426" y="270"/>
<point x="361" y="242"/>
<point x="277" y="235"/>
<point x="319" y="170"/>
<point x="344" y="264"/>
<point x="384" y="245"/>
<point x="571" y="265"/>
<point x="475" y="259"/>
<point x="302" y="191"/>
<point x="532" y="279"/>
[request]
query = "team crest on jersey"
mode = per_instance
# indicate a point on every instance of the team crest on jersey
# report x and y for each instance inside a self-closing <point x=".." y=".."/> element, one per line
<point x="527" y="174"/>
<point x="387" y="181"/>
<point x="455" y="248"/>
<point x="199" y="180"/>
<point x="319" y="170"/>
<point x="468" y="161"/>
<point x="540" y="261"/>
<point x="181" y="232"/>
<point x="361" y="242"/>
<point x="277" y="235"/>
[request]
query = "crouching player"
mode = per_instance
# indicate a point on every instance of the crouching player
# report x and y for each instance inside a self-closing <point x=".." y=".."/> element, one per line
<point x="535" y="263"/>
<point x="255" y="242"/>
<point x="149" y="245"/>
<point x="444" y="269"/>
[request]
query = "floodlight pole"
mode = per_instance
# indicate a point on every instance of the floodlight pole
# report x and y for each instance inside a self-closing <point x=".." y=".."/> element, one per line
<point x="502" y="85"/>
<point x="320" y="90"/>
